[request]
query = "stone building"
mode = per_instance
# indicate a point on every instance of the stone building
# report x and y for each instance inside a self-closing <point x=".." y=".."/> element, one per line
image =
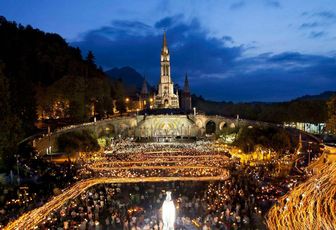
<point x="166" y="97"/>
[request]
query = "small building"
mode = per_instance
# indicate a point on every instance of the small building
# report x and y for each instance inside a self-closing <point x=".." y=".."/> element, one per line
<point x="313" y="128"/>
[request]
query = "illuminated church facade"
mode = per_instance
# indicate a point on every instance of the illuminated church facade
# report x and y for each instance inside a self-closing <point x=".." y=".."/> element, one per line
<point x="166" y="96"/>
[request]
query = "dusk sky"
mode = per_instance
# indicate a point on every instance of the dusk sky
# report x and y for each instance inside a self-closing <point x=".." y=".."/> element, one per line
<point x="244" y="50"/>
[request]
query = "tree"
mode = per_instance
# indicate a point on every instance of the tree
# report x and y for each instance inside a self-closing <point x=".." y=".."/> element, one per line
<point x="10" y="125"/>
<point x="118" y="93"/>
<point x="76" y="141"/>
<point x="277" y="139"/>
<point x="90" y="58"/>
<point x="331" y="122"/>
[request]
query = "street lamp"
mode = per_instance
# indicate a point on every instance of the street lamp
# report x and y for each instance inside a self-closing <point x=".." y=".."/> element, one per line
<point x="182" y="126"/>
<point x="17" y="168"/>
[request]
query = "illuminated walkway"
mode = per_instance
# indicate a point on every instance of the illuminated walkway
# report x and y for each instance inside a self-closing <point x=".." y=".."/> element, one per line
<point x="32" y="218"/>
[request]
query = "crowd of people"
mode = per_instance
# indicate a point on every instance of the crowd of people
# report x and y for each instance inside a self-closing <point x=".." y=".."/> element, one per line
<point x="237" y="201"/>
<point x="132" y="159"/>
<point x="129" y="146"/>
<point x="199" y="205"/>
<point x="38" y="179"/>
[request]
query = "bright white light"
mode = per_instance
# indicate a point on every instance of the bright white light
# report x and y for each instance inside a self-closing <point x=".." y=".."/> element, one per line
<point x="168" y="213"/>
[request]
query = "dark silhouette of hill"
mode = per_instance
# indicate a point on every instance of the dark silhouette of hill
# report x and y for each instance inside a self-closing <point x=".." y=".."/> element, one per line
<point x="304" y="109"/>
<point x="322" y="96"/>
<point x="129" y="76"/>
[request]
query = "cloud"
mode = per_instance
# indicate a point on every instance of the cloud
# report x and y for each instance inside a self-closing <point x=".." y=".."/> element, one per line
<point x="318" y="23"/>
<point x="272" y="3"/>
<point x="325" y="17"/>
<point x="309" y="25"/>
<point x="237" y="5"/>
<point x="268" y="3"/>
<point x="228" y="39"/>
<point x="271" y="77"/>
<point x="318" y="34"/>
<point x="217" y="67"/>
<point x="139" y="45"/>
<point x="168" y="21"/>
<point x="328" y="15"/>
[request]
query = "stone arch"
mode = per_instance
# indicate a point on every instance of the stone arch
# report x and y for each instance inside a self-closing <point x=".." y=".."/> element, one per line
<point x="166" y="103"/>
<point x="210" y="127"/>
<point x="222" y="125"/>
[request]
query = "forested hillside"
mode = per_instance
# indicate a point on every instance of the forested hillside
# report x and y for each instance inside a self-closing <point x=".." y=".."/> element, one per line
<point x="307" y="109"/>
<point x="41" y="75"/>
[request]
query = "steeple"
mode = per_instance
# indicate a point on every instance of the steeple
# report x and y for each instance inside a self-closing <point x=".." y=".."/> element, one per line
<point x="164" y="49"/>
<point x="186" y="88"/>
<point x="144" y="90"/>
<point x="165" y="61"/>
<point x="186" y="97"/>
<point x="144" y="102"/>
<point x="166" y="96"/>
<point x="164" y="43"/>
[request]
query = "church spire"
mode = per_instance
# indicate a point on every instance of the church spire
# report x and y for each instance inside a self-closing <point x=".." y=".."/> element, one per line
<point x="186" y="88"/>
<point x="164" y="43"/>
<point x="144" y="90"/>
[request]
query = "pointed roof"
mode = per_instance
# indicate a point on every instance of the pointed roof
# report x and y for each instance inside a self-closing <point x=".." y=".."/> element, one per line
<point x="186" y="88"/>
<point x="164" y="43"/>
<point x="144" y="89"/>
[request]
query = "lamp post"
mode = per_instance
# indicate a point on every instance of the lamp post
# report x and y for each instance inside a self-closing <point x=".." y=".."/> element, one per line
<point x="182" y="126"/>
<point x="127" y="105"/>
<point x="17" y="168"/>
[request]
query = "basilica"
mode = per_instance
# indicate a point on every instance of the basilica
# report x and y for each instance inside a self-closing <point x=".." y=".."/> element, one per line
<point x="166" y="96"/>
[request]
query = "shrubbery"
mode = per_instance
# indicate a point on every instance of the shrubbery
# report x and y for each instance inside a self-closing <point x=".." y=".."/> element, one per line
<point x="77" y="141"/>
<point x="277" y="139"/>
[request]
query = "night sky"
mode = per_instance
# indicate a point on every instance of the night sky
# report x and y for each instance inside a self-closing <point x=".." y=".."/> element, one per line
<point x="260" y="50"/>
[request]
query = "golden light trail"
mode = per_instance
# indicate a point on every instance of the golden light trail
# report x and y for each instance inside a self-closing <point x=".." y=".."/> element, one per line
<point x="311" y="205"/>
<point x="153" y="167"/>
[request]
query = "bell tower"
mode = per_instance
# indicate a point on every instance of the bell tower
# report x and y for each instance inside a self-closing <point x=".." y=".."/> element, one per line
<point x="166" y="97"/>
<point x="165" y="62"/>
<point x="186" y="97"/>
